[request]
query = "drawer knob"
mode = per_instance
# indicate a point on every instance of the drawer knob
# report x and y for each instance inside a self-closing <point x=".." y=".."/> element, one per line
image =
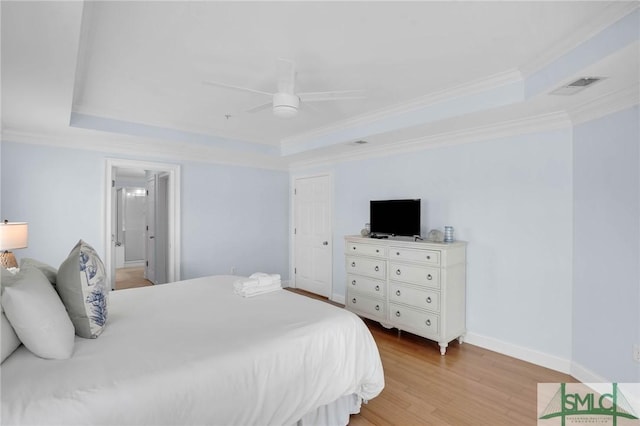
<point x="377" y="307"/>
<point x="428" y="322"/>
<point x="398" y="272"/>
<point x="353" y="282"/>
<point x="354" y="247"/>
<point x="376" y="268"/>
<point x="428" y="257"/>
<point x="397" y="253"/>
<point x="353" y="300"/>
<point x="377" y="250"/>
<point x="429" y="277"/>
<point x="397" y="313"/>
<point x="377" y="288"/>
<point x="428" y="299"/>
<point x="397" y="292"/>
<point x="353" y="264"/>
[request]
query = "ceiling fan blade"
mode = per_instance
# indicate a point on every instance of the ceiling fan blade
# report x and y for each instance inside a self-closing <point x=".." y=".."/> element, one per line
<point x="310" y="107"/>
<point x="333" y="92"/>
<point x="286" y="71"/>
<point x="332" y="96"/>
<point x="260" y="107"/>
<point x="231" y="86"/>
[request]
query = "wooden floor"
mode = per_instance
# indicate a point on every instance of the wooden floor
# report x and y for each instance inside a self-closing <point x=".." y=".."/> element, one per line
<point x="467" y="386"/>
<point x="131" y="278"/>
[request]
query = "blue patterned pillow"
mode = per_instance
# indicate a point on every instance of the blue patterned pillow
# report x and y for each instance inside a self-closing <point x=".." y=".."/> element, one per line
<point x="83" y="288"/>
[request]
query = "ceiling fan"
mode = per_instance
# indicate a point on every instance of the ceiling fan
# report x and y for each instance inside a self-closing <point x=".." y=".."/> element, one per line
<point x="286" y="102"/>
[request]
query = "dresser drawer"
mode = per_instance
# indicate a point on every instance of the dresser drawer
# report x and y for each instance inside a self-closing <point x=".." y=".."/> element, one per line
<point x="429" y="257"/>
<point x="366" y="285"/>
<point x="423" y="299"/>
<point x="423" y="322"/>
<point x="366" y="305"/>
<point x="364" y="266"/>
<point x="421" y="275"/>
<point x="359" y="249"/>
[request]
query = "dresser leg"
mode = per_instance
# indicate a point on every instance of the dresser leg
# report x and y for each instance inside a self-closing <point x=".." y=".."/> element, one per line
<point x="443" y="348"/>
<point x="461" y="339"/>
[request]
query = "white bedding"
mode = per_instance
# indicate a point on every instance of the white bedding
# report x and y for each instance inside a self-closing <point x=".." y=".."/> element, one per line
<point x="193" y="352"/>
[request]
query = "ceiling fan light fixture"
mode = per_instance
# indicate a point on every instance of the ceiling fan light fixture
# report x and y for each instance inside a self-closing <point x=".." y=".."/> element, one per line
<point x="285" y="105"/>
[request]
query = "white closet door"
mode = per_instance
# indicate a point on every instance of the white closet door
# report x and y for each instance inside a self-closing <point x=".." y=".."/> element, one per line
<point x="313" y="245"/>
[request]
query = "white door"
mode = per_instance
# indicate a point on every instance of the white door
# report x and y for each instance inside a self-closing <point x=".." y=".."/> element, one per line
<point x="113" y="222"/>
<point x="119" y="227"/>
<point x="312" y="238"/>
<point x="150" y="265"/>
<point x="161" y="229"/>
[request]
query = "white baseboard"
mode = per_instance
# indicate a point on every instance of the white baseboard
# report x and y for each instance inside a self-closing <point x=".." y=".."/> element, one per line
<point x="520" y="352"/>
<point x="287" y="283"/>
<point x="585" y="375"/>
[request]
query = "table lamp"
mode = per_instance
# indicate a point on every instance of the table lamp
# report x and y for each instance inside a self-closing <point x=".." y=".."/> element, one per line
<point x="13" y="235"/>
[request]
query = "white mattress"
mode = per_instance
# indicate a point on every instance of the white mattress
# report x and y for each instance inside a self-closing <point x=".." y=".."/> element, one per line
<point x="192" y="352"/>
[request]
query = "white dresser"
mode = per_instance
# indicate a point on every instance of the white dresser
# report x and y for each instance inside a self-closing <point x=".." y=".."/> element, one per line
<point x="419" y="286"/>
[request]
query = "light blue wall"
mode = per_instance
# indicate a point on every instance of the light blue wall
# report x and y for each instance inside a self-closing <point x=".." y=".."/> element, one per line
<point x="231" y="216"/>
<point x="59" y="192"/>
<point x="606" y="290"/>
<point x="238" y="217"/>
<point x="511" y="199"/>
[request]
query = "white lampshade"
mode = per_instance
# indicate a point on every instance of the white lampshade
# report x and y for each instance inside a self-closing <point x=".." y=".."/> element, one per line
<point x="13" y="235"/>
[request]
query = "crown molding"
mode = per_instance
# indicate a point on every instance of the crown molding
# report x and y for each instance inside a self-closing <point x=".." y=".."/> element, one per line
<point x="591" y="110"/>
<point x="466" y="89"/>
<point x="543" y="122"/>
<point x="612" y="13"/>
<point x="605" y="105"/>
<point x="140" y="147"/>
<point x="169" y="150"/>
<point x="220" y="135"/>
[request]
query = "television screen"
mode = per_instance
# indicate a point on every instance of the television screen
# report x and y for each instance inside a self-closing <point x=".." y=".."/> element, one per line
<point x="395" y="217"/>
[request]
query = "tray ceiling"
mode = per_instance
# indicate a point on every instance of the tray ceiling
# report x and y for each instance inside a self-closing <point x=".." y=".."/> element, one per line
<point x="128" y="67"/>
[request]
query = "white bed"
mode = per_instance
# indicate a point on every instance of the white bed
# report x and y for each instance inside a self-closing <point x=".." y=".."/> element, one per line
<point x="193" y="352"/>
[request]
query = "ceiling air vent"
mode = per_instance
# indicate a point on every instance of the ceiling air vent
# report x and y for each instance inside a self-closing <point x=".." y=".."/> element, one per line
<point x="576" y="86"/>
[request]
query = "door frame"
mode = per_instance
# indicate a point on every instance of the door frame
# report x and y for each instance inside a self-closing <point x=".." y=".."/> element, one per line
<point x="292" y="213"/>
<point x="174" y="238"/>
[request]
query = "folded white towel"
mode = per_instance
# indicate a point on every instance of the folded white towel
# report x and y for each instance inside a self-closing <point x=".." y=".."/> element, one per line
<point x="255" y="291"/>
<point x="257" y="283"/>
<point x="245" y="283"/>
<point x="265" y="279"/>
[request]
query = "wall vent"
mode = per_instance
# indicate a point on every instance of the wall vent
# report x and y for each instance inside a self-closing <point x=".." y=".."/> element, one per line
<point x="576" y="86"/>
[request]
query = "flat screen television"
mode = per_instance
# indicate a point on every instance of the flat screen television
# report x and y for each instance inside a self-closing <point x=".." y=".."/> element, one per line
<point x="395" y="217"/>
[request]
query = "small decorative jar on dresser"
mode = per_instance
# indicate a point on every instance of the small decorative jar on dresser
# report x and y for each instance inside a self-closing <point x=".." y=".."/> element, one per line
<point x="419" y="287"/>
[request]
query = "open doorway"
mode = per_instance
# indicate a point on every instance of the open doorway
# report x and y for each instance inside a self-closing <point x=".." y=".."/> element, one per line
<point x="130" y="207"/>
<point x="142" y="218"/>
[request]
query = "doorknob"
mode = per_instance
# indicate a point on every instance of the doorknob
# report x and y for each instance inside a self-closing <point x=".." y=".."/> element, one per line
<point x="151" y="237"/>
<point x="325" y="243"/>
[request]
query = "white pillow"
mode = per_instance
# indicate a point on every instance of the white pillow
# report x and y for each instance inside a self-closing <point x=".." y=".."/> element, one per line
<point x="49" y="271"/>
<point x="9" y="341"/>
<point x="38" y="316"/>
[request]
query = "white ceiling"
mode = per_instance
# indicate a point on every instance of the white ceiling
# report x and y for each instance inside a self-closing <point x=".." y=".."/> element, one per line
<point x="138" y="67"/>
